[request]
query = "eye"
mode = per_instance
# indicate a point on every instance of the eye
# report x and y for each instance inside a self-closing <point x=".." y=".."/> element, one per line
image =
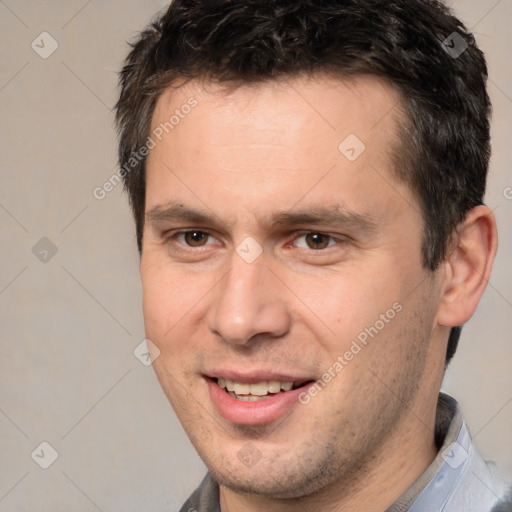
<point x="193" y="238"/>
<point x="314" y="240"/>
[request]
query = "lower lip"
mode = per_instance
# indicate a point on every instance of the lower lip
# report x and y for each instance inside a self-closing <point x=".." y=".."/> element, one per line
<point x="260" y="412"/>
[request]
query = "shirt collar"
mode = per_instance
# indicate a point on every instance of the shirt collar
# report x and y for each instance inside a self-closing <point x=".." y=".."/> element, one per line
<point x="437" y="481"/>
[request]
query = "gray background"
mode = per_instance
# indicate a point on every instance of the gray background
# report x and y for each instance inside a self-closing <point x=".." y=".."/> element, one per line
<point x="70" y="322"/>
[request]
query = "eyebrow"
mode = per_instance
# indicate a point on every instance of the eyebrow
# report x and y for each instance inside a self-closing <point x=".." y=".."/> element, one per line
<point x="336" y="215"/>
<point x="169" y="212"/>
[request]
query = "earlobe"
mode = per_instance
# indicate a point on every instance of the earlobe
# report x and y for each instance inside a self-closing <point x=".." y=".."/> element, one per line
<point x="468" y="267"/>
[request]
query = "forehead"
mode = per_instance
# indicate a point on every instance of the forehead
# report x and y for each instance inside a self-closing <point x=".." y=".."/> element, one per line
<point x="326" y="103"/>
<point x="283" y="134"/>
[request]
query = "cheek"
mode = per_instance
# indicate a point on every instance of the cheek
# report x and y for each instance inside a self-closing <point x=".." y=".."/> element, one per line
<point x="163" y="293"/>
<point x="153" y="307"/>
<point x="155" y="296"/>
<point x="163" y="302"/>
<point x="349" y="301"/>
<point x="172" y="302"/>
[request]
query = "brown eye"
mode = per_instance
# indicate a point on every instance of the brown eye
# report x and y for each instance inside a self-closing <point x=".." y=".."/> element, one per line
<point x="317" y="240"/>
<point x="195" y="238"/>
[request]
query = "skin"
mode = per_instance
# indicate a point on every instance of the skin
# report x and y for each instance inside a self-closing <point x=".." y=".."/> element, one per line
<point x="242" y="157"/>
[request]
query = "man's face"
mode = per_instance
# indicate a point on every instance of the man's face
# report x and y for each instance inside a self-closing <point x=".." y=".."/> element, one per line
<point x="269" y="251"/>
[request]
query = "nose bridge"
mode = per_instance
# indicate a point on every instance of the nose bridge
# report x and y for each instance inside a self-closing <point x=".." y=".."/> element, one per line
<point x="248" y="303"/>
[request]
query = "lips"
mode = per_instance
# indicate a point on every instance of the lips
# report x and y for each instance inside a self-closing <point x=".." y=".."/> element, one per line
<point x="255" y="399"/>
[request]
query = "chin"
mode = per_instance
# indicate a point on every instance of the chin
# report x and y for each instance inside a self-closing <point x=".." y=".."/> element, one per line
<point x="285" y="481"/>
<point x="259" y="485"/>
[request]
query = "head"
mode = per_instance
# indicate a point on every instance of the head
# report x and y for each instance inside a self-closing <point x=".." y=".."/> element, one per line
<point x="345" y="149"/>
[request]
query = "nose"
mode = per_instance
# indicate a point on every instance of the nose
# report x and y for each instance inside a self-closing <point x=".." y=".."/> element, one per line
<point x="249" y="304"/>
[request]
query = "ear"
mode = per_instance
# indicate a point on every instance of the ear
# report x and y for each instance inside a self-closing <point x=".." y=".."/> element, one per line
<point x="468" y="267"/>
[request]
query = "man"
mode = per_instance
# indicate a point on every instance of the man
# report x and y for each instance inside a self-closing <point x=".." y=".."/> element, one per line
<point x="307" y="181"/>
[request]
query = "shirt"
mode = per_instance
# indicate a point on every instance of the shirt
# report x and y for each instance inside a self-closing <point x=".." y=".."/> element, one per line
<point x="458" y="479"/>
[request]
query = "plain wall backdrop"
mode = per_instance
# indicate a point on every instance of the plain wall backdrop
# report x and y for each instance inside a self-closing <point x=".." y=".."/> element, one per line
<point x="70" y="297"/>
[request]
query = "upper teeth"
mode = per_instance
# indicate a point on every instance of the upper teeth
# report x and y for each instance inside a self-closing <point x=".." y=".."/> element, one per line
<point x="256" y="389"/>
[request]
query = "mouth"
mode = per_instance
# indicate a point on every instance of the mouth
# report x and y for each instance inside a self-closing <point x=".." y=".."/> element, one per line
<point x="255" y="398"/>
<point x="258" y="391"/>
